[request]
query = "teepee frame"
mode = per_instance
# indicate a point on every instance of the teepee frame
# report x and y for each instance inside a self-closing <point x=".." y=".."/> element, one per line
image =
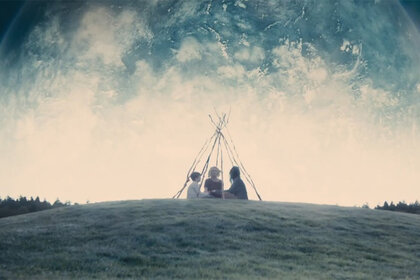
<point x="218" y="141"/>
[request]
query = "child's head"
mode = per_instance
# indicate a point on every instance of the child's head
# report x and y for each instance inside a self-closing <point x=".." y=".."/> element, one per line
<point x="234" y="172"/>
<point x="195" y="176"/>
<point x="214" y="172"/>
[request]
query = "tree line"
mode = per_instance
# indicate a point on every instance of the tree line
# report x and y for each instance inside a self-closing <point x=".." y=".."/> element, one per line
<point x="413" y="208"/>
<point x="23" y="205"/>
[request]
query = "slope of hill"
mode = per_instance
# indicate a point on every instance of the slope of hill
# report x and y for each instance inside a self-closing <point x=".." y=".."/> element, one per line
<point x="163" y="239"/>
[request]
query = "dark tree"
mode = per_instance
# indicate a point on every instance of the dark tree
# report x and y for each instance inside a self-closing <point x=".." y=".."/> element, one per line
<point x="401" y="206"/>
<point x="22" y="205"/>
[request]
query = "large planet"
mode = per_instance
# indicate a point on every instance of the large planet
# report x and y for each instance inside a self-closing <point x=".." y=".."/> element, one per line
<point x="108" y="100"/>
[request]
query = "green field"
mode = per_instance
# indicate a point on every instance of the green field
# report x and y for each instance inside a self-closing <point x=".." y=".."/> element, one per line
<point x="163" y="239"/>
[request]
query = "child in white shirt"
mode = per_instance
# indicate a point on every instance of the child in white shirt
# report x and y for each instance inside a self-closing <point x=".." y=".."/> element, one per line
<point x="194" y="188"/>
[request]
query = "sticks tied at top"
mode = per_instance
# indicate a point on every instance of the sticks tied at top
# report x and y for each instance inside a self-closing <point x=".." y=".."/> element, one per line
<point x="218" y="138"/>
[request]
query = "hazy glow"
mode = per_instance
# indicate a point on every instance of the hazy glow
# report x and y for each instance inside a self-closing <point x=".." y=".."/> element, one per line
<point x="82" y="127"/>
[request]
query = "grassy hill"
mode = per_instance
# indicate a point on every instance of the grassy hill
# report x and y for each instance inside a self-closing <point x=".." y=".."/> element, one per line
<point x="162" y="239"/>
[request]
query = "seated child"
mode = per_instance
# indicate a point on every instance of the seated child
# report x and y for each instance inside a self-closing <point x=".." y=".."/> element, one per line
<point x="238" y="189"/>
<point x="213" y="185"/>
<point x="194" y="188"/>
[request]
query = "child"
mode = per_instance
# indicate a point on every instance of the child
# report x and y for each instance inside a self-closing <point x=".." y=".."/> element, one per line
<point x="194" y="188"/>
<point x="238" y="189"/>
<point x="213" y="184"/>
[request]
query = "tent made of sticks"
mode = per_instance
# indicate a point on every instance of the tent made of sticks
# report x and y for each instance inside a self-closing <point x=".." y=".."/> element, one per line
<point x="214" y="150"/>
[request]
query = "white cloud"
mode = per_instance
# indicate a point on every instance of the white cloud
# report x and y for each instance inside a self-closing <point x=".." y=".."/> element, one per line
<point x="377" y="98"/>
<point x="345" y="47"/>
<point x="190" y="50"/>
<point x="253" y="54"/>
<point x="232" y="72"/>
<point x="105" y="35"/>
<point x="240" y="4"/>
<point x="318" y="74"/>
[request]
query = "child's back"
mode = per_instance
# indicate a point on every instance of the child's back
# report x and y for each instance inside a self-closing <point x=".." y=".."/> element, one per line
<point x="193" y="190"/>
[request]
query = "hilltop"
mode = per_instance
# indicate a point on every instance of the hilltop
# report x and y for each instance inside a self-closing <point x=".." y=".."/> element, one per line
<point x="163" y="239"/>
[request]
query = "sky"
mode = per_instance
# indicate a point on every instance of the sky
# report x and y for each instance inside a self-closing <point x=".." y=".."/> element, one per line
<point x="87" y="116"/>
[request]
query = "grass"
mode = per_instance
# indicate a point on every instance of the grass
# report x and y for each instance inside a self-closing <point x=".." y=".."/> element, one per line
<point x="161" y="239"/>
